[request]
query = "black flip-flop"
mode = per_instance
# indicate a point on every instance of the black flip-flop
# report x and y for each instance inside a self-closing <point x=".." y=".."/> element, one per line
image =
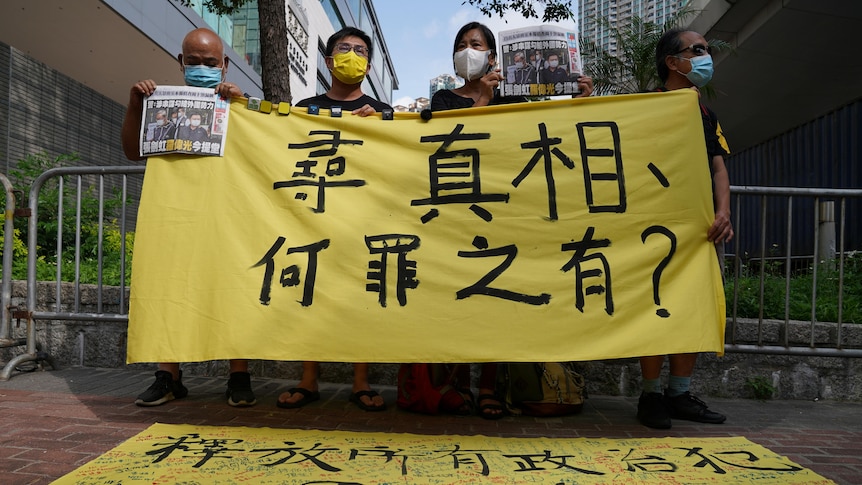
<point x="307" y="397"/>
<point x="356" y="398"/>
<point x="483" y="408"/>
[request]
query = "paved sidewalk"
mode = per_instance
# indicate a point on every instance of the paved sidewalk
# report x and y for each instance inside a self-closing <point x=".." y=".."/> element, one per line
<point x="53" y="422"/>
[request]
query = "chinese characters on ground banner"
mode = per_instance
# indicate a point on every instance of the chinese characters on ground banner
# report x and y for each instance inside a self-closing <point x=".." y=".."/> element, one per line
<point x="548" y="231"/>
<point x="206" y="454"/>
<point x="184" y="119"/>
<point x="542" y="60"/>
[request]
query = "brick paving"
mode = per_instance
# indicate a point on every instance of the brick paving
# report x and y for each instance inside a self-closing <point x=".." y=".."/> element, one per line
<point x="53" y="422"/>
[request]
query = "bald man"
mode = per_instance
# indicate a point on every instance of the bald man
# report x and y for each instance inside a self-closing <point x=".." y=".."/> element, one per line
<point x="204" y="65"/>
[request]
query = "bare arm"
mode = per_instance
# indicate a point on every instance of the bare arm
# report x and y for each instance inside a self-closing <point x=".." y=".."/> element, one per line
<point x="131" y="132"/>
<point x="721" y="229"/>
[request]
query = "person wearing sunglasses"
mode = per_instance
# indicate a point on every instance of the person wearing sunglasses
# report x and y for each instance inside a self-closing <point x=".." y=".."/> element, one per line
<point x="684" y="61"/>
<point x="348" y="58"/>
<point x="348" y="53"/>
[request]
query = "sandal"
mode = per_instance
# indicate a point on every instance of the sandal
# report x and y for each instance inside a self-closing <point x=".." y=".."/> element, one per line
<point x="485" y="410"/>
<point x="356" y="398"/>
<point x="307" y="397"/>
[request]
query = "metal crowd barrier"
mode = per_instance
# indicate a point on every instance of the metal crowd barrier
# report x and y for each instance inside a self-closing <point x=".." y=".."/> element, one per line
<point x="95" y="176"/>
<point x="736" y="342"/>
<point x="6" y="338"/>
<point x="827" y="238"/>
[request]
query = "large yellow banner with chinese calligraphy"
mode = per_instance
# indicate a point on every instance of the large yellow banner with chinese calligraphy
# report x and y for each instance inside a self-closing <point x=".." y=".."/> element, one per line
<point x="166" y="453"/>
<point x="547" y="231"/>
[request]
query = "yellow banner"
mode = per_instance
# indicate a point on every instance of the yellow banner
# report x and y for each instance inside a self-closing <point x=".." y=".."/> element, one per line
<point x="166" y="453"/>
<point x="548" y="231"/>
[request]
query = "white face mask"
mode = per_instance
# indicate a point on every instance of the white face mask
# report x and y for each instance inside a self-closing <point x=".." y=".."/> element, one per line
<point x="160" y="122"/>
<point x="553" y="63"/>
<point x="471" y="64"/>
<point x="519" y="65"/>
<point x="196" y="122"/>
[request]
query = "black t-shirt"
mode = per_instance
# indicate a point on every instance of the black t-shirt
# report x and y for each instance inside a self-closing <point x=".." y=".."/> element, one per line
<point x="447" y="99"/>
<point x="324" y="101"/>
<point x="711" y="131"/>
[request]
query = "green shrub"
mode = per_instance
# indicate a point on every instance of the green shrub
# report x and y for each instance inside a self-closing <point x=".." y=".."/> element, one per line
<point x="48" y="224"/>
<point x="760" y="388"/>
<point x="801" y="285"/>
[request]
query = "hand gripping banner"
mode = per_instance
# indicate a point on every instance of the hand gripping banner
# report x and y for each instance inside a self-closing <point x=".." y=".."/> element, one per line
<point x="544" y="231"/>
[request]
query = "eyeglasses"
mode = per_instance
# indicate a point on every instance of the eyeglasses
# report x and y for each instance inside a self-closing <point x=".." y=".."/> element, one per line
<point x="697" y="49"/>
<point x="344" y="48"/>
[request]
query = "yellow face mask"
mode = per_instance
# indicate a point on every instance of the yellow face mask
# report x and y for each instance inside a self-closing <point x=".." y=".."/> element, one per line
<point x="349" y="67"/>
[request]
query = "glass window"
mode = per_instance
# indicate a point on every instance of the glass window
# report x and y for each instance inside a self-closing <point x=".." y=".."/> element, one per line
<point x="322" y="71"/>
<point x="197" y="6"/>
<point x="353" y="7"/>
<point x="322" y="84"/>
<point x="332" y="12"/>
<point x="377" y="59"/>
<point x="365" y="23"/>
<point x="387" y="83"/>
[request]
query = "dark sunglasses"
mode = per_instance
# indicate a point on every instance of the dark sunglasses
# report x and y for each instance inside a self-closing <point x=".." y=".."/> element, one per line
<point x="697" y="49"/>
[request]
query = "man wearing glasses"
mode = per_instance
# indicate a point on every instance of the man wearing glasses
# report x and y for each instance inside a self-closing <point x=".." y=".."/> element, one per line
<point x="347" y="54"/>
<point x="683" y="61"/>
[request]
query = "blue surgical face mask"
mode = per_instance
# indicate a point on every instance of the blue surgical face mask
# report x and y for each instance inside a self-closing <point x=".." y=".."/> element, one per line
<point x="202" y="76"/>
<point x="701" y="70"/>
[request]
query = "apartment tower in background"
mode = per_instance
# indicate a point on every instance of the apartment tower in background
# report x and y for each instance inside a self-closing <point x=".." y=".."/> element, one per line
<point x="620" y="12"/>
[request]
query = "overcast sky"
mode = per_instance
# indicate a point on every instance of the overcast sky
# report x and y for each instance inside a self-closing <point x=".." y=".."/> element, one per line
<point x="420" y="34"/>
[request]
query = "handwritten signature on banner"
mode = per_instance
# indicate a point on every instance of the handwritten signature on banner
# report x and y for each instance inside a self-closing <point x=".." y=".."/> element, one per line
<point x="268" y="455"/>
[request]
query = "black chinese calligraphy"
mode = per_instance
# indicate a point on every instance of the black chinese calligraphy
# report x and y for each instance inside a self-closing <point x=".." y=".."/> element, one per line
<point x="579" y="260"/>
<point x="289" y="275"/>
<point x="596" y="158"/>
<point x="384" y="451"/>
<point x="544" y="152"/>
<point x="537" y="462"/>
<point x="481" y="287"/>
<point x="305" y="176"/>
<point x="656" y="275"/>
<point x="468" y="457"/>
<point x="294" y="455"/>
<point x="405" y="269"/>
<point x="454" y="175"/>
<point x="194" y="445"/>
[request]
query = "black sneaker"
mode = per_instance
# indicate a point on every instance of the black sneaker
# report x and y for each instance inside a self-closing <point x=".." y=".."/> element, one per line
<point x="685" y="406"/>
<point x="239" y="391"/>
<point x="652" y="411"/>
<point x="163" y="390"/>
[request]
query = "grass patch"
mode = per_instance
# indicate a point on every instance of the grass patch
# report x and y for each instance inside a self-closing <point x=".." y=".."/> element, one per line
<point x="801" y="287"/>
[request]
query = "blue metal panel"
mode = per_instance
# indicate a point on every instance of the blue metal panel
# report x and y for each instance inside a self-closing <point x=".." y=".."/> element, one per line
<point x="824" y="153"/>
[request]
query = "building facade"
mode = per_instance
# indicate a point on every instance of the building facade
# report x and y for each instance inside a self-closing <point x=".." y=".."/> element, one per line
<point x="66" y="92"/>
<point x="443" y="81"/>
<point x="620" y="12"/>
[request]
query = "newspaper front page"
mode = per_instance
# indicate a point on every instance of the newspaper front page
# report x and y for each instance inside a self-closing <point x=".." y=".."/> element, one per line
<point x="184" y="119"/>
<point x="543" y="60"/>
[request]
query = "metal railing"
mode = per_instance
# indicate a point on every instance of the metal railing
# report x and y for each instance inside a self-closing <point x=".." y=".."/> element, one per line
<point x="792" y="337"/>
<point x="6" y="339"/>
<point x="96" y="178"/>
<point x="742" y="336"/>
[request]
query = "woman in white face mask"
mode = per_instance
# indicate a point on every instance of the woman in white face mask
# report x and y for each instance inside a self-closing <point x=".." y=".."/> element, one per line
<point x="475" y="59"/>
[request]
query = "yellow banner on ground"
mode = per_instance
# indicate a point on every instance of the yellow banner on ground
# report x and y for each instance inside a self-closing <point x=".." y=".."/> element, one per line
<point x="166" y="453"/>
<point x="547" y="231"/>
